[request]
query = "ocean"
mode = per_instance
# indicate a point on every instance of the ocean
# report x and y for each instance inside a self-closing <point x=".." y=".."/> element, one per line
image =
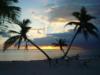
<point x="27" y="55"/>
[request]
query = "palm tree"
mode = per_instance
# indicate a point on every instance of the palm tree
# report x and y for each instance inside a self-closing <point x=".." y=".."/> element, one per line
<point x="60" y="42"/>
<point x="17" y="39"/>
<point x="82" y="26"/>
<point x="8" y="12"/>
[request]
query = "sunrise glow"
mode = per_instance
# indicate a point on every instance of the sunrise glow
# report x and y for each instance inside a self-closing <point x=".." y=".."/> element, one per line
<point x="42" y="47"/>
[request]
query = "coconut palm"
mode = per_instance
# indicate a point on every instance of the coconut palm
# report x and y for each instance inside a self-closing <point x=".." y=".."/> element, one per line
<point x="82" y="26"/>
<point x="60" y="42"/>
<point x="8" y="12"/>
<point x="17" y="39"/>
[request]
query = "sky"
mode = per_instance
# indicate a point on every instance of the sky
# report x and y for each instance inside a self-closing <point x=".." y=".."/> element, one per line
<point x="54" y="14"/>
<point x="48" y="18"/>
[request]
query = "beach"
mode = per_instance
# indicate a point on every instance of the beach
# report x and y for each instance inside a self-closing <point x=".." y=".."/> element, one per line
<point x="33" y="62"/>
<point x="42" y="67"/>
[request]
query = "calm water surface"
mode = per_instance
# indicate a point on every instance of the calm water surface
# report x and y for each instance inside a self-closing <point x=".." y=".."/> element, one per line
<point x="25" y="55"/>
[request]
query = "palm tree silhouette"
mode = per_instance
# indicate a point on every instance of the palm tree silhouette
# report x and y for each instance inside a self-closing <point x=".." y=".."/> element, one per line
<point x="60" y="42"/>
<point x="82" y="26"/>
<point x="8" y="12"/>
<point x="17" y="39"/>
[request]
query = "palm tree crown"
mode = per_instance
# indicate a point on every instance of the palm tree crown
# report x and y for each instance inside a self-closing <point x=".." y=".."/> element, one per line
<point x="60" y="42"/>
<point x="20" y="37"/>
<point x="82" y="26"/>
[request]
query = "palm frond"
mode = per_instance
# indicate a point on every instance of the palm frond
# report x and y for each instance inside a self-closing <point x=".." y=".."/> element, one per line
<point x="77" y="15"/>
<point x="25" y="22"/>
<point x="14" y="8"/>
<point x="10" y="42"/>
<point x="89" y="17"/>
<point x="60" y="41"/>
<point x="13" y="13"/>
<point x="19" y="23"/>
<point x="8" y="11"/>
<point x="73" y="23"/>
<point x="91" y="26"/>
<point x="12" y="31"/>
<point x="94" y="33"/>
<point x="55" y="44"/>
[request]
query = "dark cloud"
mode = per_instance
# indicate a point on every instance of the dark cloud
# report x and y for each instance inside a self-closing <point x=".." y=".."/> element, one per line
<point x="66" y="7"/>
<point x="51" y="38"/>
<point x="78" y="2"/>
<point x="60" y="12"/>
<point x="91" y="44"/>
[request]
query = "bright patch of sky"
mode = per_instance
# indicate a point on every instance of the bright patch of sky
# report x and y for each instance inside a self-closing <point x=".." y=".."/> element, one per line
<point x="38" y="11"/>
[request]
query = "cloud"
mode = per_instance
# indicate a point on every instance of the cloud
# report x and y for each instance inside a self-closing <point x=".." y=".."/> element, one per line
<point x="48" y="10"/>
<point x="55" y="26"/>
<point x="57" y="13"/>
<point x="65" y="8"/>
<point x="91" y="44"/>
<point x="60" y="12"/>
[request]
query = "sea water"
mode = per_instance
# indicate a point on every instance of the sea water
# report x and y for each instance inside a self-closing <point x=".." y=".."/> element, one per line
<point x="27" y="55"/>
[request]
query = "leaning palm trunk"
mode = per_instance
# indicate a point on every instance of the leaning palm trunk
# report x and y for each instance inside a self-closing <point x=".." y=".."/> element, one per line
<point x="39" y="49"/>
<point x="66" y="53"/>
